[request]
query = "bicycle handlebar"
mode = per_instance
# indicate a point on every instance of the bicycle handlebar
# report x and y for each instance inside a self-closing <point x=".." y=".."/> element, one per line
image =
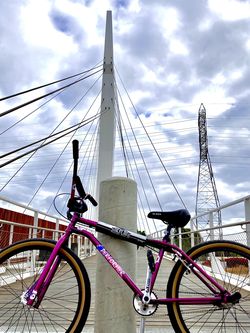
<point x="76" y="181"/>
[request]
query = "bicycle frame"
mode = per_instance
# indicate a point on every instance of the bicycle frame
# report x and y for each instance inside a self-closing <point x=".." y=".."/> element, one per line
<point x="38" y="290"/>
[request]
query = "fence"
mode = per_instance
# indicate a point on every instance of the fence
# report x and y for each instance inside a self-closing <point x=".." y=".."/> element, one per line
<point x="236" y="228"/>
<point x="41" y="225"/>
<point x="36" y="224"/>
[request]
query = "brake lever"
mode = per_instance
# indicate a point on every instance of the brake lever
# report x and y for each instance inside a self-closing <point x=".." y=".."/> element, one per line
<point x="79" y="187"/>
<point x="91" y="199"/>
<point x="82" y="192"/>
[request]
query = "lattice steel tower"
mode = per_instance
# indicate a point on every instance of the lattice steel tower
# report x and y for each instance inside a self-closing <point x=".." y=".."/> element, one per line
<point x="207" y="196"/>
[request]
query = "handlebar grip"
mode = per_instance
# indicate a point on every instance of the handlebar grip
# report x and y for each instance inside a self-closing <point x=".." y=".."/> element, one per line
<point x="75" y="149"/>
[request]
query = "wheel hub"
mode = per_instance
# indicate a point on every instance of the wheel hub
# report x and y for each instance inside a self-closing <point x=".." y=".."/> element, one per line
<point x="234" y="298"/>
<point x="230" y="301"/>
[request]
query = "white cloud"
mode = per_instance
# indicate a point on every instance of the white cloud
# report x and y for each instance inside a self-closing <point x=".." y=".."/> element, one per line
<point x="178" y="47"/>
<point x="230" y="10"/>
<point x="169" y="19"/>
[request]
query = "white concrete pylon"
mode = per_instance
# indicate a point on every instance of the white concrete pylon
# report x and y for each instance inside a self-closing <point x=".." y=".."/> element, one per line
<point x="114" y="310"/>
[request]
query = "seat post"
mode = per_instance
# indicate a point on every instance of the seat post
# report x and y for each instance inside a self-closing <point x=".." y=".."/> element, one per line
<point x="166" y="238"/>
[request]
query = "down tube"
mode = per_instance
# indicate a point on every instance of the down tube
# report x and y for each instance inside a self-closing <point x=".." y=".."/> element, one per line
<point x="112" y="262"/>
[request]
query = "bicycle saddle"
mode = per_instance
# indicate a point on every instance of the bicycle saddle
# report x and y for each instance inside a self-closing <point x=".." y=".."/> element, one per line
<point x="178" y="218"/>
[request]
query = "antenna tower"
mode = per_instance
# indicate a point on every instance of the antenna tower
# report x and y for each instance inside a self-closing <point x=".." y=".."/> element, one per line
<point x="207" y="196"/>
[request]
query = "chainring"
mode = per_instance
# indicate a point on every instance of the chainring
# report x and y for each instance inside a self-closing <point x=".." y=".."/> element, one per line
<point x="144" y="309"/>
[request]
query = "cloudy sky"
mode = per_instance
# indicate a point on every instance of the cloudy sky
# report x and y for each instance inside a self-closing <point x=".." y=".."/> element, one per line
<point x="171" y="56"/>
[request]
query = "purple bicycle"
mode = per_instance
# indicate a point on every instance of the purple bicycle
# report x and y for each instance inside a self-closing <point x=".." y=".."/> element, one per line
<point x="44" y="286"/>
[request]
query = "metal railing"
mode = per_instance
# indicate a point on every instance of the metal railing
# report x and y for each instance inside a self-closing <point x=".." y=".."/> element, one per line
<point x="238" y="231"/>
<point x="13" y="231"/>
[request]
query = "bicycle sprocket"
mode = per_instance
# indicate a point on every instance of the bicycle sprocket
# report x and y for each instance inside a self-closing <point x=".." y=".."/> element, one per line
<point x="144" y="309"/>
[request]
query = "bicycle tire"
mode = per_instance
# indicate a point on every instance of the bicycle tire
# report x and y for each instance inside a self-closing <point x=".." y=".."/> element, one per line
<point x="66" y="303"/>
<point x="229" y="263"/>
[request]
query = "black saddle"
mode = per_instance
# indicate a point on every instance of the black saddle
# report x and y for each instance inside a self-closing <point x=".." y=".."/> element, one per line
<point x="178" y="218"/>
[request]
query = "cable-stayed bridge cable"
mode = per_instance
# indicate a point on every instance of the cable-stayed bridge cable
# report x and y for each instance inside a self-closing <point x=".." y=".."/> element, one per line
<point x="170" y="178"/>
<point x="52" y="167"/>
<point x="40" y="106"/>
<point x="47" y="143"/>
<point x="43" y="96"/>
<point x="139" y="149"/>
<point x="43" y="139"/>
<point x="83" y="119"/>
<point x="69" y="168"/>
<point x="48" y="84"/>
<point x="132" y="153"/>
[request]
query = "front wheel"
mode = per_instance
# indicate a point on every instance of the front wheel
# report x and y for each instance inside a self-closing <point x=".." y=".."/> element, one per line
<point x="229" y="264"/>
<point x="66" y="303"/>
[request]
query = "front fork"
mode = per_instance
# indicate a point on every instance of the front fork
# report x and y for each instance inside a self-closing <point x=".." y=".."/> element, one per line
<point x="34" y="295"/>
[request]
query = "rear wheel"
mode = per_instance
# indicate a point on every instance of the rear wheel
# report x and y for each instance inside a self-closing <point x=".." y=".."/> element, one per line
<point x="66" y="303"/>
<point x="229" y="264"/>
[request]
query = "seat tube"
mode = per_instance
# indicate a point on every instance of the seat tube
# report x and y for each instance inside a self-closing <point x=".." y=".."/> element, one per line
<point x="157" y="267"/>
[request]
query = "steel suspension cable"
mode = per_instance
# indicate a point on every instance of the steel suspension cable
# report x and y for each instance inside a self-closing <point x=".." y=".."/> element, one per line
<point x="47" y="143"/>
<point x="136" y="166"/>
<point x="51" y="134"/>
<point x="129" y="166"/>
<point x="89" y="178"/>
<point x="119" y="126"/>
<point x="70" y="167"/>
<point x="93" y="180"/>
<point x="48" y="94"/>
<point x="139" y="149"/>
<point x="54" y="164"/>
<point x="88" y="152"/>
<point x="52" y="167"/>
<point x="48" y="84"/>
<point x="148" y="136"/>
<point x="40" y="106"/>
<point x="40" y="140"/>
